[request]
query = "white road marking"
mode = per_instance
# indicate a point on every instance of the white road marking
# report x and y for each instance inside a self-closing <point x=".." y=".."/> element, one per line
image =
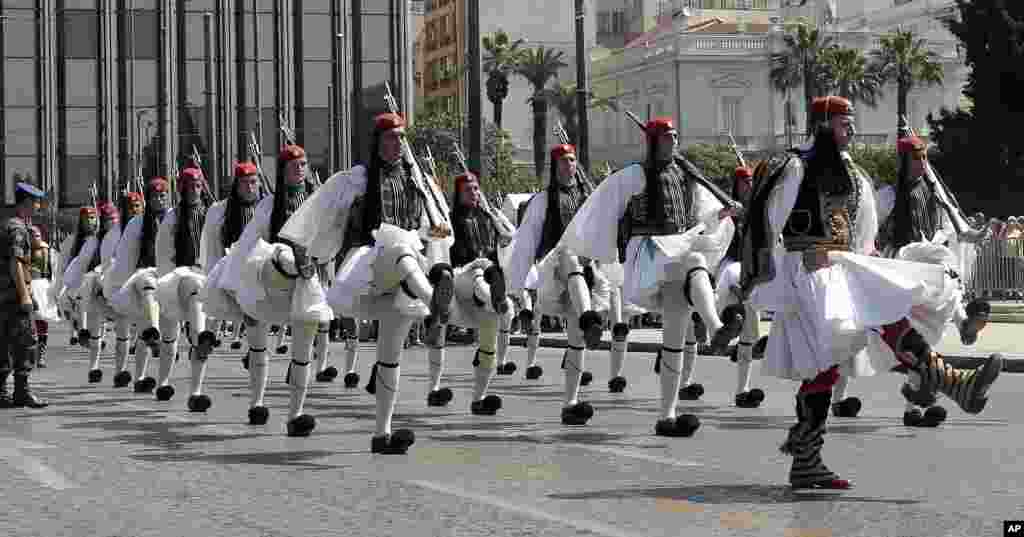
<point x="635" y="455"/>
<point x="31" y="466"/>
<point x="593" y="527"/>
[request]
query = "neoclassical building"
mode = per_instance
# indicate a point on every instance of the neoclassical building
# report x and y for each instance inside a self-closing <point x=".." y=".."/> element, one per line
<point x="709" y="69"/>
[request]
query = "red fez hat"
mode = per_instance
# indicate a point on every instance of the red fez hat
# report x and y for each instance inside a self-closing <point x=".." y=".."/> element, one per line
<point x="388" y="121"/>
<point x="743" y="172"/>
<point x="831" y="105"/>
<point x="108" y="210"/>
<point x="87" y="211"/>
<point x="190" y="177"/>
<point x="910" y="144"/>
<point x="157" y="184"/>
<point x="464" y="178"/>
<point x="292" y="152"/>
<point x="562" y="150"/>
<point x="134" y="196"/>
<point x="243" y="169"/>
<point x="658" y="126"/>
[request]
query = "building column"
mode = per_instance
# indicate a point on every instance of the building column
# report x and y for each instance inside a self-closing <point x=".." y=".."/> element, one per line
<point x="285" y="65"/>
<point x="227" y="105"/>
<point x="108" y="102"/>
<point x="48" y="97"/>
<point x="168" y="87"/>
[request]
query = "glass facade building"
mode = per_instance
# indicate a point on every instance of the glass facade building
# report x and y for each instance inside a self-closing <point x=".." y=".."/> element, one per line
<point x="96" y="90"/>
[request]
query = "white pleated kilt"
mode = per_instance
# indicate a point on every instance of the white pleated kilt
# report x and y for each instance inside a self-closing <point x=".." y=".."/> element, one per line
<point x="127" y="301"/>
<point x="173" y="304"/>
<point x="553" y="287"/>
<point x="932" y="315"/>
<point x="218" y="302"/>
<point x="465" y="312"/>
<point x="46" y="307"/>
<point x="652" y="261"/>
<point x="299" y="300"/>
<point x="368" y="286"/>
<point x="830" y="316"/>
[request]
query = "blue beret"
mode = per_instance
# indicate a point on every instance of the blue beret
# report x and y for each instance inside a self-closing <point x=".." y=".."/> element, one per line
<point x="31" y="190"/>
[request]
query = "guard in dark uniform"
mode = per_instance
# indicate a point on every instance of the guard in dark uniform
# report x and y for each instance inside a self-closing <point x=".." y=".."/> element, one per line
<point x="17" y="339"/>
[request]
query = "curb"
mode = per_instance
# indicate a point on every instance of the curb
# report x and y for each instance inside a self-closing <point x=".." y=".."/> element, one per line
<point x="1010" y="365"/>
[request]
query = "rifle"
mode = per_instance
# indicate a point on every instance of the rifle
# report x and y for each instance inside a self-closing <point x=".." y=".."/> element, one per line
<point x="431" y="164"/>
<point x="736" y="149"/>
<point x="289" y="138"/>
<point x="255" y="153"/>
<point x="504" y="227"/>
<point x="440" y="225"/>
<point x="951" y="206"/>
<point x="198" y="161"/>
<point x="721" y="196"/>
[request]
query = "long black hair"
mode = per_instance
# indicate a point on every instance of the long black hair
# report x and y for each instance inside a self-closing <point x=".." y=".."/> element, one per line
<point x="279" y="215"/>
<point x="553" y="225"/>
<point x="371" y="201"/>
<point x="183" y="232"/>
<point x="234" y="222"/>
<point x="825" y="163"/>
<point x="81" y="235"/>
<point x="902" y="223"/>
<point x="652" y="187"/>
<point x="147" y="245"/>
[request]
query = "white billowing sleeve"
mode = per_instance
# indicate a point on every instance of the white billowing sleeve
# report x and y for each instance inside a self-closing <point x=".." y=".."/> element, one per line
<point x="165" y="243"/>
<point x="714" y="241"/>
<point x="78" y="267"/>
<point x="319" y="225"/>
<point x="885" y="201"/>
<point x="211" y="250"/>
<point x="126" y="258"/>
<point x="109" y="247"/>
<point x="783" y="197"/>
<point x="865" y="229"/>
<point x="527" y="240"/>
<point x="594" y="230"/>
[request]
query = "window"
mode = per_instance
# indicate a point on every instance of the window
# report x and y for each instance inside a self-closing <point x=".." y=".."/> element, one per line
<point x="147" y="34"/>
<point x="316" y="84"/>
<point x="18" y="169"/>
<point x="195" y="83"/>
<point x="145" y="81"/>
<point x="81" y="136"/>
<point x="731" y="115"/>
<point x="376" y="38"/>
<point x="22" y="133"/>
<point x="195" y="39"/>
<point x="20" y="34"/>
<point x="317" y="41"/>
<point x="81" y="34"/>
<point x="81" y="82"/>
<point x="317" y="134"/>
<point x="268" y="33"/>
<point x="80" y="172"/>
<point x="20" y="82"/>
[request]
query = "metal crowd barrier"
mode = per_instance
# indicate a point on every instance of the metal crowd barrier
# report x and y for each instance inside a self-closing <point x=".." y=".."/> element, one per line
<point x="995" y="269"/>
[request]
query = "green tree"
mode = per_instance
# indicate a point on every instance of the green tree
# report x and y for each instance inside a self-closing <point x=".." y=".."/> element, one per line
<point x="539" y="66"/>
<point x="906" y="60"/>
<point x="800" y="64"/>
<point x="846" y="72"/>
<point x="501" y="58"/>
<point x="563" y="97"/>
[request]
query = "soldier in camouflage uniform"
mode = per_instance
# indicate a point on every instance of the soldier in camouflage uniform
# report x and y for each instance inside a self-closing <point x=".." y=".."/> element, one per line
<point x="17" y="339"/>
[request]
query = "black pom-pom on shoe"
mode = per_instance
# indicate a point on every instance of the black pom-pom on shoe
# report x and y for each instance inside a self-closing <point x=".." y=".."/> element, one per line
<point x="586" y="378"/>
<point x="507" y="368"/>
<point x="847" y="408"/>
<point x="440" y="397"/>
<point x="683" y="426"/>
<point x="488" y="406"/>
<point x="301" y="425"/>
<point x="578" y="414"/>
<point x="164" y="393"/>
<point x="351" y="380"/>
<point x="327" y="375"/>
<point x="122" y="379"/>
<point x="95" y="375"/>
<point x="534" y="372"/>
<point x="617" y="384"/>
<point x="199" y="403"/>
<point x="750" y="399"/>
<point x="691" y="392"/>
<point x="258" y="415"/>
<point x="396" y="443"/>
<point x="933" y="417"/>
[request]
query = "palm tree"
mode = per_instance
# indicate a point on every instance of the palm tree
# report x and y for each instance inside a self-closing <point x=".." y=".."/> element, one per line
<point x="538" y="66"/>
<point x="563" y="97"/>
<point x="847" y="73"/>
<point x="904" y="59"/>
<point x="500" y="61"/>
<point x="800" y="64"/>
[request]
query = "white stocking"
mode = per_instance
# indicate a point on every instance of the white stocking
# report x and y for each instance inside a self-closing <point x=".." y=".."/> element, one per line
<point x="504" y="336"/>
<point x="435" y="359"/>
<point x="259" y="363"/>
<point x="390" y="340"/>
<point x="321" y="347"/>
<point x="122" y="331"/>
<point x="483" y="372"/>
<point x="745" y="350"/>
<point x="168" y="350"/>
<point x="95" y="328"/>
<point x="299" y="369"/>
<point x="619" y="346"/>
<point x="575" y="357"/>
<point x="533" y="340"/>
<point x="678" y="325"/>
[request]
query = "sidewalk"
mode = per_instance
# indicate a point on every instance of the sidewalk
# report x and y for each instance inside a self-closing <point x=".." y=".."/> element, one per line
<point x="1002" y="338"/>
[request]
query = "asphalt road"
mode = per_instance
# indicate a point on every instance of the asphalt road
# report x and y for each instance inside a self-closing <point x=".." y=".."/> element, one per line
<point x="106" y="462"/>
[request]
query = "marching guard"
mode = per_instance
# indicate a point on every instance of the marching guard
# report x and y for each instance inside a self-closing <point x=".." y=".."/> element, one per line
<point x="387" y="277"/>
<point x="674" y="230"/>
<point x="98" y="310"/>
<point x="569" y="284"/>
